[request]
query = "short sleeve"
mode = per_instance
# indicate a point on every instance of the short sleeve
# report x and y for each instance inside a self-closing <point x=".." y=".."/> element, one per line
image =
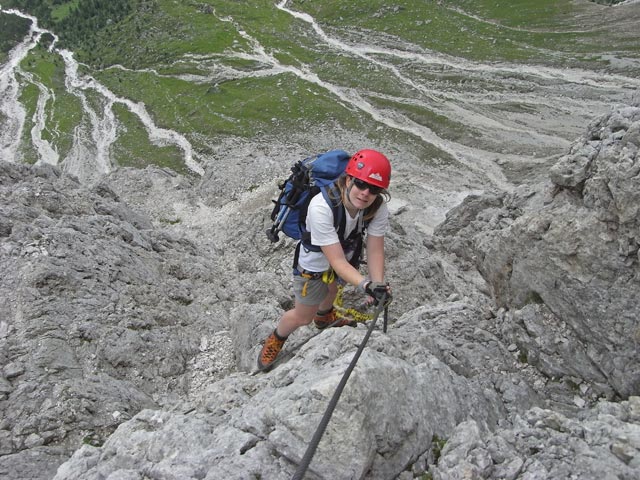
<point x="320" y="222"/>
<point x="379" y="224"/>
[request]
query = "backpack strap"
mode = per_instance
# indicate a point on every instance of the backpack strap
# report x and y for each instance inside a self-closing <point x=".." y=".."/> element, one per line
<point x="332" y="197"/>
<point x="357" y="237"/>
<point x="339" y="222"/>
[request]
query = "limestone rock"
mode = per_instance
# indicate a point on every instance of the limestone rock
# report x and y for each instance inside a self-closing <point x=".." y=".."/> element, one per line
<point x="576" y="253"/>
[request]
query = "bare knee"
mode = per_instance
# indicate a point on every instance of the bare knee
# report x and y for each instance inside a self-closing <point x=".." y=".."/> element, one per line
<point x="299" y="316"/>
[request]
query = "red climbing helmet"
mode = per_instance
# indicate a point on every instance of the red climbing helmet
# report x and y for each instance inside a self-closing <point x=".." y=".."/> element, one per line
<point x="370" y="166"/>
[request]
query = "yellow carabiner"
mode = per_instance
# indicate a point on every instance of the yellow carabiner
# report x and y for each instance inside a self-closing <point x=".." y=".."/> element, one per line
<point x="329" y="276"/>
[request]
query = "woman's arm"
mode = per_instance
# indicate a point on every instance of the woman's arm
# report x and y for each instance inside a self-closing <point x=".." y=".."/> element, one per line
<point x="375" y="258"/>
<point x="346" y="271"/>
<point x="340" y="264"/>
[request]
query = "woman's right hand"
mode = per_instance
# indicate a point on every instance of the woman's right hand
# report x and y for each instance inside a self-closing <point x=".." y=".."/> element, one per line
<point x="380" y="292"/>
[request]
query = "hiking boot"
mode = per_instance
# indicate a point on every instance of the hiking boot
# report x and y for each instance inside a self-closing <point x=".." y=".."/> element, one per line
<point x="270" y="350"/>
<point x="327" y="320"/>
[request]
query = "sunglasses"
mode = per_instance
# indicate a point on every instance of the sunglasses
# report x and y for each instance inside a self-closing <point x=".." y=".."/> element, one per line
<point x="362" y="185"/>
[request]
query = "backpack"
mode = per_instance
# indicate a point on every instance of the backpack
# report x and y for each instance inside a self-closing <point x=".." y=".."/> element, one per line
<point x="313" y="175"/>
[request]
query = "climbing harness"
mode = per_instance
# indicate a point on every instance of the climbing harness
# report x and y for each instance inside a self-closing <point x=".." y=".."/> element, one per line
<point x="328" y="276"/>
<point x="313" y="445"/>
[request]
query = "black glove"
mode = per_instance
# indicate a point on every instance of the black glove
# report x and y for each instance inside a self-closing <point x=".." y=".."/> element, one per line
<point x="379" y="291"/>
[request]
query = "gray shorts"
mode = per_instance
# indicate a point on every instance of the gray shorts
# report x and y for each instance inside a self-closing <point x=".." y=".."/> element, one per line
<point x="309" y="291"/>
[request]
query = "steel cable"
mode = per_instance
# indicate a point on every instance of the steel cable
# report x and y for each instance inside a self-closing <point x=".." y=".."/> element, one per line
<point x="313" y="445"/>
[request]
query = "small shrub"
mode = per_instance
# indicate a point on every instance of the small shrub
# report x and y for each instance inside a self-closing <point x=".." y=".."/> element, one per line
<point x="437" y="446"/>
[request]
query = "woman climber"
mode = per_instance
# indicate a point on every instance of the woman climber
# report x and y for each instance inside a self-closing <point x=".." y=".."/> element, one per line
<point x="362" y="192"/>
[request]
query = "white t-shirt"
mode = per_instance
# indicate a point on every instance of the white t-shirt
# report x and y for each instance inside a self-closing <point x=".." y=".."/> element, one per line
<point x="320" y="224"/>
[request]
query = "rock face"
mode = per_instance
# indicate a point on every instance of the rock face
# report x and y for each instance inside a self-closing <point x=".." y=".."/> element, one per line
<point x="565" y="259"/>
<point x="127" y="339"/>
<point x="602" y="443"/>
<point x="95" y="322"/>
<point x="252" y="426"/>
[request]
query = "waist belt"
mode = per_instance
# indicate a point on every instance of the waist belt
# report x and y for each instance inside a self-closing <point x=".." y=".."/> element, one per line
<point x="327" y="276"/>
<point x="307" y="274"/>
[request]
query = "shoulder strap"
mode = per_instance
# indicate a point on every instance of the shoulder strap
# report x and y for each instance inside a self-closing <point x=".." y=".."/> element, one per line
<point x="332" y="197"/>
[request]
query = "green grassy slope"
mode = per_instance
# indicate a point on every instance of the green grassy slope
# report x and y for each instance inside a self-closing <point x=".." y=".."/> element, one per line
<point x="159" y="43"/>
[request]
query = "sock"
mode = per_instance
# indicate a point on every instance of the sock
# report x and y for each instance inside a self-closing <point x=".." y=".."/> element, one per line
<point x="278" y="336"/>
<point x="322" y="313"/>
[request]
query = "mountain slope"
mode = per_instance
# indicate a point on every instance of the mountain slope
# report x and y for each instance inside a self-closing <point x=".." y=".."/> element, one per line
<point x="450" y="81"/>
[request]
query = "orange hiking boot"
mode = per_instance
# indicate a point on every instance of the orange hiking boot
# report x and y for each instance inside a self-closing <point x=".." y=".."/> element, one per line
<point x="329" y="320"/>
<point x="270" y="350"/>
